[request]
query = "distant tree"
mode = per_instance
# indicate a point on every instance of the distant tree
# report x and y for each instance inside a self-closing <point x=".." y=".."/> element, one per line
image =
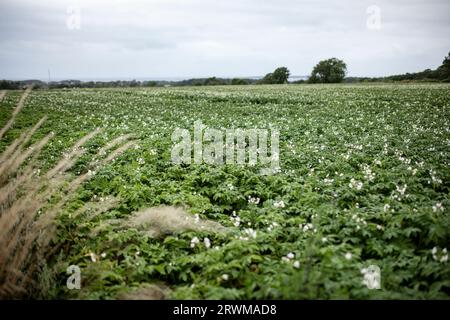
<point x="8" y="84"/>
<point x="150" y="83"/>
<point x="279" y="76"/>
<point x="238" y="81"/>
<point x="444" y="70"/>
<point x="328" y="71"/>
<point x="213" y="81"/>
<point x="134" y="83"/>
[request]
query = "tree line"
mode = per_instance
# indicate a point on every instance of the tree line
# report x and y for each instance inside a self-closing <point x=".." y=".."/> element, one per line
<point x="331" y="70"/>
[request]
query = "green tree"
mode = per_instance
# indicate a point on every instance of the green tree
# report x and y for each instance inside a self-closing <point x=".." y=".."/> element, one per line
<point x="444" y="70"/>
<point x="150" y="83"/>
<point x="238" y="81"/>
<point x="213" y="81"/>
<point x="328" y="71"/>
<point x="279" y="76"/>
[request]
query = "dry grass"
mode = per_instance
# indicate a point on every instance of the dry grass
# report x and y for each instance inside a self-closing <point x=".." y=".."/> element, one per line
<point x="96" y="207"/>
<point x="69" y="159"/>
<point x="159" y="221"/>
<point x="2" y="95"/>
<point x="25" y="234"/>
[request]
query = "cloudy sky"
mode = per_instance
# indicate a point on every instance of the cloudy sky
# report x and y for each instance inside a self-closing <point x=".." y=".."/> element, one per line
<point x="113" y="39"/>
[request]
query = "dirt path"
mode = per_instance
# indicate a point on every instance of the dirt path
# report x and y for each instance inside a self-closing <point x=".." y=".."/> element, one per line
<point x="2" y="95"/>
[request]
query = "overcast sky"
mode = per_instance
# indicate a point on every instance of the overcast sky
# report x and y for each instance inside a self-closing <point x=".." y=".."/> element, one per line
<point x="195" y="38"/>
